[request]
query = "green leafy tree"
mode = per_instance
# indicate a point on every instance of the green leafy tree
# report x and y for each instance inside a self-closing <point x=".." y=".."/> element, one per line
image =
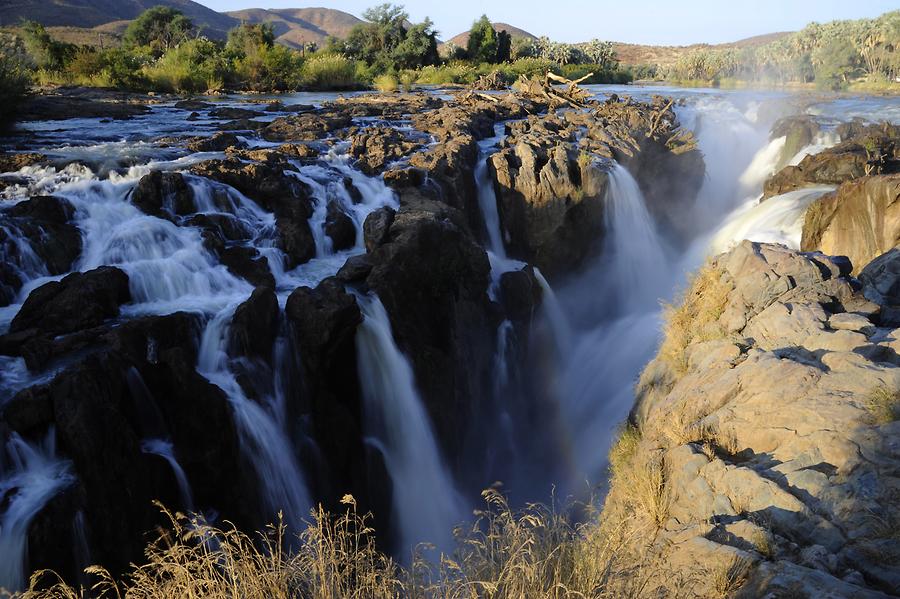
<point x="387" y="42"/>
<point x="504" y="46"/>
<point x="483" y="43"/>
<point x="161" y="28"/>
<point x="44" y="51"/>
<point x="418" y="48"/>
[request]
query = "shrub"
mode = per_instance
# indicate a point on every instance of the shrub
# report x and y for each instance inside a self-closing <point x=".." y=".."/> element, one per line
<point x="193" y="66"/>
<point x="883" y="405"/>
<point x="330" y="71"/>
<point x="14" y="81"/>
<point x="386" y="83"/>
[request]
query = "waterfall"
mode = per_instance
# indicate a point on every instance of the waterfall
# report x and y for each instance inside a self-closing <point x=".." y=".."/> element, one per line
<point x="164" y="449"/>
<point x="637" y="262"/>
<point x="264" y="438"/>
<point x="487" y="196"/>
<point x="556" y="317"/>
<point x="778" y="219"/>
<point x="30" y="478"/>
<point x="425" y="504"/>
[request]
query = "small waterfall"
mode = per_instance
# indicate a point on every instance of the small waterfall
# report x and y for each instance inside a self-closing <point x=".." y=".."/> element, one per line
<point x="637" y="261"/>
<point x="487" y="195"/>
<point x="778" y="219"/>
<point x="556" y="317"/>
<point x="263" y="435"/>
<point x="763" y="165"/>
<point x="28" y="480"/>
<point x="425" y="505"/>
<point x="164" y="449"/>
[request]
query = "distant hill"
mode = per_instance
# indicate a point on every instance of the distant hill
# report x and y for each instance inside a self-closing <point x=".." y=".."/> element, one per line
<point x="100" y="22"/>
<point x="634" y="54"/>
<point x="463" y="38"/>
<point x="91" y="13"/>
<point x="296" y="26"/>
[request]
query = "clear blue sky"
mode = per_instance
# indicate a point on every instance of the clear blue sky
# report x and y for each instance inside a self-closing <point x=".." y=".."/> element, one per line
<point x="673" y="22"/>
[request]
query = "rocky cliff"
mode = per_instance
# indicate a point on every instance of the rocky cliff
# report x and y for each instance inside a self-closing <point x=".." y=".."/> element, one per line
<point x="761" y="455"/>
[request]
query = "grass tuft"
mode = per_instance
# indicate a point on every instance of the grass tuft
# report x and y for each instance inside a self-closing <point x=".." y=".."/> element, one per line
<point x="883" y="405"/>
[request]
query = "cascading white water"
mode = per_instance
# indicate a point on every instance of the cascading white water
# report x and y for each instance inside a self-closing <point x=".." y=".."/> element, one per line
<point x="31" y="477"/>
<point x="778" y="219"/>
<point x="425" y="503"/>
<point x="487" y="196"/>
<point x="265" y="441"/>
<point x="164" y="449"/>
<point x="637" y="262"/>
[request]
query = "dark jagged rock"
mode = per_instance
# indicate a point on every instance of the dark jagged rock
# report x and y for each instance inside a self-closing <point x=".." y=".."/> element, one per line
<point x="247" y="263"/>
<point x="432" y="278"/>
<point x="521" y="294"/>
<point x="255" y="325"/>
<point x="78" y="301"/>
<point x="306" y="127"/>
<point x="163" y="195"/>
<point x="11" y="162"/>
<point x="234" y="114"/>
<point x="192" y="105"/>
<point x="29" y="410"/>
<point x="377" y="226"/>
<point x="339" y="227"/>
<point x="286" y="196"/>
<point x="218" y="142"/>
<point x="59" y="108"/>
<point x="323" y="323"/>
<point x="798" y="132"/>
<point x="864" y="150"/>
<point x="376" y="147"/>
<point x="44" y="222"/>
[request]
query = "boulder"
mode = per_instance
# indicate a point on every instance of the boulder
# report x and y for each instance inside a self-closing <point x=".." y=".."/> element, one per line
<point x="339" y="227"/>
<point x="376" y="147"/>
<point x="218" y="142"/>
<point x="255" y="325"/>
<point x="233" y="114"/>
<point x="163" y="195"/>
<point x="306" y="126"/>
<point x="78" y="301"/>
<point x="377" y="226"/>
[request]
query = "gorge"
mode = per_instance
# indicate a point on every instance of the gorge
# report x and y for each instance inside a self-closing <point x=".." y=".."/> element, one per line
<point x="250" y="306"/>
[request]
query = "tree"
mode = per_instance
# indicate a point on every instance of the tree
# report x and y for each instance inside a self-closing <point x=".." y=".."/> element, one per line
<point x="46" y="52"/>
<point x="504" y="46"/>
<point x="387" y="41"/>
<point x="601" y="53"/>
<point x="159" y="28"/>
<point x="247" y="38"/>
<point x="483" y="43"/>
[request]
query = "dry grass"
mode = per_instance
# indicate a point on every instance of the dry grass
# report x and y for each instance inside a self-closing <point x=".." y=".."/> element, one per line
<point x="883" y="405"/>
<point x="731" y="576"/>
<point x="535" y="552"/>
<point x="694" y="318"/>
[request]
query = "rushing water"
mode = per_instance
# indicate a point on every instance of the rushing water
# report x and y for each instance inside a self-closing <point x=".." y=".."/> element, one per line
<point x="604" y="322"/>
<point x="425" y="505"/>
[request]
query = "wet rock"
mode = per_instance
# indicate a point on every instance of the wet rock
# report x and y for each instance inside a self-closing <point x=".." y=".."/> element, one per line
<point x="234" y="114"/>
<point x="391" y="106"/>
<point x="861" y="220"/>
<point x="306" y="127"/>
<point x="284" y="195"/>
<point x="44" y="222"/>
<point x="219" y="142"/>
<point x="243" y="125"/>
<point x="339" y="227"/>
<point x="225" y="227"/>
<point x="355" y="269"/>
<point x="323" y="323"/>
<point x="255" y="325"/>
<point x="29" y="411"/>
<point x="59" y="108"/>
<point x="78" y="301"/>
<point x="163" y="195"/>
<point x="192" y="104"/>
<point x="11" y="162"/>
<point x="247" y="263"/>
<point x="521" y="294"/>
<point x="279" y="106"/>
<point x="377" y="226"/>
<point x="550" y="204"/>
<point x="432" y="278"/>
<point x="798" y="131"/>
<point x="376" y="147"/>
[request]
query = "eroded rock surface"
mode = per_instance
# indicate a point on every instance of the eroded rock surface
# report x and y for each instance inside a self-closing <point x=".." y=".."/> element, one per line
<point x="762" y="431"/>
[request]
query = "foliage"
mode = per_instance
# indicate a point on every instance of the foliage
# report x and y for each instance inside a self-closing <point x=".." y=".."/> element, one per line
<point x="45" y="52"/>
<point x="386" y="83"/>
<point x="192" y="66"/>
<point x="14" y="78"/>
<point x="259" y="64"/>
<point x="385" y="42"/>
<point x="832" y="55"/>
<point x="883" y="405"/>
<point x="330" y="71"/>
<point x="161" y="28"/>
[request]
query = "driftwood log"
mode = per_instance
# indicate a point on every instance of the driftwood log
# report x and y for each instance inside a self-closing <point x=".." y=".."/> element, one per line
<point x="566" y="93"/>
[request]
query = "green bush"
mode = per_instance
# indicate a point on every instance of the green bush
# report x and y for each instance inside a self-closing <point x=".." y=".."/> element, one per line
<point x="330" y="71"/>
<point x="14" y="81"/>
<point x="191" y="67"/>
<point x="269" y="68"/>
